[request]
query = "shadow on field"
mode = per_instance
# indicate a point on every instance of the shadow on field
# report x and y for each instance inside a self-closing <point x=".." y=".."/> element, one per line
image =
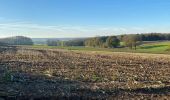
<point x="4" y="49"/>
<point x="159" y="90"/>
<point x="36" y="87"/>
<point x="153" y="46"/>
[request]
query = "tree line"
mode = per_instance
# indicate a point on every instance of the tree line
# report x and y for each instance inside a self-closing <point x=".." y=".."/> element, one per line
<point x="76" y="42"/>
<point x="128" y="40"/>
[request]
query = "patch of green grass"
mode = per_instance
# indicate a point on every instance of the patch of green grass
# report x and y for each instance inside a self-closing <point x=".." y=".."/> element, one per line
<point x="43" y="46"/>
<point x="153" y="47"/>
<point x="157" y="47"/>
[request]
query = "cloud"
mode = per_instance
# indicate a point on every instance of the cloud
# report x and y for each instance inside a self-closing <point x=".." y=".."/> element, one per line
<point x="58" y="31"/>
<point x="36" y="30"/>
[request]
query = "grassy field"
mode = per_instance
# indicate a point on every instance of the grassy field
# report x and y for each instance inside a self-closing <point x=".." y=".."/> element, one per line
<point x="146" y="47"/>
<point x="155" y="47"/>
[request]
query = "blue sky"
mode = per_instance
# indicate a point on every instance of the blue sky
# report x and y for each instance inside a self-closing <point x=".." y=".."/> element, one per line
<point x="82" y="18"/>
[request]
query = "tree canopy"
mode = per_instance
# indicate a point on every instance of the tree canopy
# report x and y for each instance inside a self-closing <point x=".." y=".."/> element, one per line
<point x="112" y="41"/>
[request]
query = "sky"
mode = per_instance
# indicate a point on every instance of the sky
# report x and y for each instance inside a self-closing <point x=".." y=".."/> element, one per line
<point x="82" y="18"/>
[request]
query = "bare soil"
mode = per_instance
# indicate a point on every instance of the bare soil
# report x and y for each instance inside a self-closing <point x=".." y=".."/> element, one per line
<point x="27" y="73"/>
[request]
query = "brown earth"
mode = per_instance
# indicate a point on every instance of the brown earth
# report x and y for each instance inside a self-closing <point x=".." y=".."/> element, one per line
<point x="27" y="73"/>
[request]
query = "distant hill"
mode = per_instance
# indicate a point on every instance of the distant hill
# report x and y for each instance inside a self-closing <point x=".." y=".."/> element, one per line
<point x="17" y="40"/>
